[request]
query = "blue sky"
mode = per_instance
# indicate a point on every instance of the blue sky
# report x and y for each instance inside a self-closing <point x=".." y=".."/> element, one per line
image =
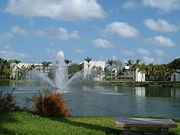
<point x="33" y="31"/>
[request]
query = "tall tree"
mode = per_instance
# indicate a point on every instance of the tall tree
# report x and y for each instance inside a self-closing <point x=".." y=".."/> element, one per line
<point x="45" y="65"/>
<point x="129" y="63"/>
<point x="88" y="60"/>
<point x="110" y="64"/>
<point x="67" y="61"/>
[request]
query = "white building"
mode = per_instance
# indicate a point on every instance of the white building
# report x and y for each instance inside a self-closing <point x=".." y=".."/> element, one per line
<point x="88" y="67"/>
<point x="15" y="68"/>
<point x="139" y="76"/>
<point x="175" y="76"/>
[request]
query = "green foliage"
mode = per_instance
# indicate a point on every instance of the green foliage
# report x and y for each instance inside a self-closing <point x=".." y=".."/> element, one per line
<point x="74" y="68"/>
<point x="67" y="61"/>
<point x="49" y="105"/>
<point x="45" y="65"/>
<point x="7" y="102"/>
<point x="88" y="59"/>
<point x="4" y="68"/>
<point x="23" y="123"/>
<point x="175" y="64"/>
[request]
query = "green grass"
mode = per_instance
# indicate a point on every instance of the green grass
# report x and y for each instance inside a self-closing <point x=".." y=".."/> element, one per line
<point x="23" y="123"/>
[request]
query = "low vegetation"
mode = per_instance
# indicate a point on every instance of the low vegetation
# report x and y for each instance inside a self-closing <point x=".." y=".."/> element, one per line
<point x="23" y="123"/>
<point x="49" y="104"/>
<point x="145" y="84"/>
<point x="7" y="102"/>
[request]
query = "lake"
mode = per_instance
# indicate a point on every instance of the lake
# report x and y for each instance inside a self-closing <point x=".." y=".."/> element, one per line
<point x="99" y="100"/>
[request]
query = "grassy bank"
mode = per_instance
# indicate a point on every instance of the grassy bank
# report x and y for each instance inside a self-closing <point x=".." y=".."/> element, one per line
<point x="23" y="123"/>
<point x="144" y="84"/>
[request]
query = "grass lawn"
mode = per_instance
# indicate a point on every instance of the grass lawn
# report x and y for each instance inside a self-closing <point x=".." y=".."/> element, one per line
<point x="23" y="123"/>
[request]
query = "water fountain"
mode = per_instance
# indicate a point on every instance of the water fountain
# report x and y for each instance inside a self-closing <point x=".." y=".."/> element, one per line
<point x="36" y="79"/>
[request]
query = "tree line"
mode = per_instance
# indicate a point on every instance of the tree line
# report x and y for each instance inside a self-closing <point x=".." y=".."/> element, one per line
<point x="160" y="72"/>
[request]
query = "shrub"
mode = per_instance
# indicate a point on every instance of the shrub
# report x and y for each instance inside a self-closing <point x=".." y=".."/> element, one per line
<point x="7" y="102"/>
<point x="49" y="105"/>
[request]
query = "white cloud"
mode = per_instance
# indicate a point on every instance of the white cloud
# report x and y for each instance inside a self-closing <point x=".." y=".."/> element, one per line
<point x="129" y="5"/>
<point x="160" y="25"/>
<point x="162" y="41"/>
<point x="121" y="29"/>
<point x="8" y="47"/>
<point x="19" y="30"/>
<point x="159" y="53"/>
<point x="163" y="5"/>
<point x="5" y="37"/>
<point x="143" y="52"/>
<point x="7" y="53"/>
<point x="79" y="51"/>
<point x="102" y="43"/>
<point x="57" y="32"/>
<point x="128" y="53"/>
<point x="148" y="60"/>
<point x="67" y="10"/>
<point x="50" y="32"/>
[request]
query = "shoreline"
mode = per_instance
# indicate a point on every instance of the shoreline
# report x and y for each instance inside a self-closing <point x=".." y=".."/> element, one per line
<point x="168" y="84"/>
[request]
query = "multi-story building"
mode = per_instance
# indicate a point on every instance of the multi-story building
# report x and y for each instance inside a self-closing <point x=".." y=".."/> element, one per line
<point x="16" y="68"/>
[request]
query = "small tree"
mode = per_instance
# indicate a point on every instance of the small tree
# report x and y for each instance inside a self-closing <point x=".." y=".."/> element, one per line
<point x="110" y="64"/>
<point x="67" y="61"/>
<point x="88" y="60"/>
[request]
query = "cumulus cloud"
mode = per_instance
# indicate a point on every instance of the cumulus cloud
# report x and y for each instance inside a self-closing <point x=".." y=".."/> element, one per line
<point x="163" y="5"/>
<point x="148" y="60"/>
<point x="5" y="37"/>
<point x="49" y="32"/>
<point x="18" y="30"/>
<point x="121" y="29"/>
<point x="129" y="5"/>
<point x="162" y="41"/>
<point x="67" y="10"/>
<point x="143" y="52"/>
<point x="160" y="25"/>
<point x="128" y="53"/>
<point x="102" y="43"/>
<point x="7" y="52"/>
<point x="57" y="32"/>
<point x="79" y="51"/>
<point x="159" y="53"/>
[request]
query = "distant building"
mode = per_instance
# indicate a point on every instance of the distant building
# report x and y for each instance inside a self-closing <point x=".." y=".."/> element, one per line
<point x="92" y="65"/>
<point x="139" y="76"/>
<point x="175" y="76"/>
<point x="15" y="68"/>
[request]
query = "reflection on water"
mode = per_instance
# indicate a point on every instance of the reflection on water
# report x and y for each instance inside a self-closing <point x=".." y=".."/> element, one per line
<point x="149" y="92"/>
<point x="100" y="100"/>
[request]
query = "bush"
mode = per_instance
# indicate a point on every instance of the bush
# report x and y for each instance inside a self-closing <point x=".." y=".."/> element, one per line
<point x="49" y="105"/>
<point x="7" y="102"/>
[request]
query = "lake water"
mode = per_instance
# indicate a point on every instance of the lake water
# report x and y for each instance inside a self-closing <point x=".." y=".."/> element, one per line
<point x="98" y="100"/>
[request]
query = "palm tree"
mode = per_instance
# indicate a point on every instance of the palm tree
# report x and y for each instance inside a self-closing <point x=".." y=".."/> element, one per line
<point x="17" y="70"/>
<point x="67" y="61"/>
<point x="129" y="63"/>
<point x="142" y="69"/>
<point x="110" y="63"/>
<point x="88" y="60"/>
<point x="30" y="67"/>
<point x="135" y="66"/>
<point x="45" y="66"/>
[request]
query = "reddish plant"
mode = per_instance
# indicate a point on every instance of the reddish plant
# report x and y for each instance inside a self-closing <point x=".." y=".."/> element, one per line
<point x="49" y="105"/>
<point x="7" y="102"/>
